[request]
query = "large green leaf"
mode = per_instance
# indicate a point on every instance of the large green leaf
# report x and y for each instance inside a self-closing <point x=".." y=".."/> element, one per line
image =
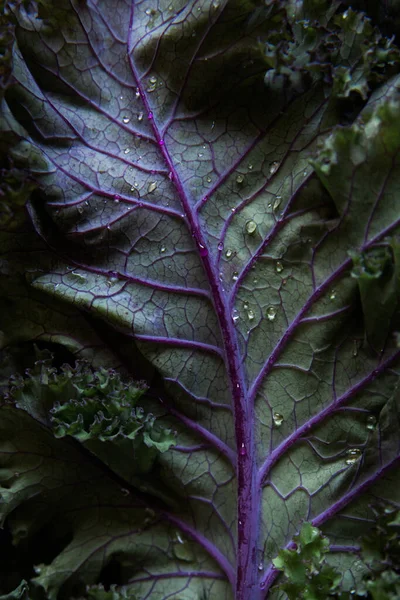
<point x="213" y="179"/>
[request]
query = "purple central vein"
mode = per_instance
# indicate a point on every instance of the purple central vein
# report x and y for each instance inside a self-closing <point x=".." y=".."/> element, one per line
<point x="247" y="496"/>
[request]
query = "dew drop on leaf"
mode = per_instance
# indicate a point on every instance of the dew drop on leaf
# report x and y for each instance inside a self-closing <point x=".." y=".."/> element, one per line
<point x="228" y="253"/>
<point x="161" y="143"/>
<point x="203" y="250"/>
<point x="371" y="422"/>
<point x="274" y="167"/>
<point x="235" y="315"/>
<point x="239" y="179"/>
<point x="208" y="179"/>
<point x="251" y="227"/>
<point x="242" y="450"/>
<point x="153" y="79"/>
<point x="250" y="167"/>
<point x="162" y="249"/>
<point x="152" y="187"/>
<point x="125" y="120"/>
<point x="235" y="276"/>
<point x="117" y="198"/>
<point x="220" y="246"/>
<point x="260" y="566"/>
<point x="125" y="492"/>
<point x="271" y="313"/>
<point x="353" y="455"/>
<point x="140" y="116"/>
<point x="182" y="551"/>
<point x="332" y="295"/>
<point x="250" y="315"/>
<point x="150" y="115"/>
<point x="277" y="203"/>
<point x="127" y="150"/>
<point x="278" y="267"/>
<point x="277" y="418"/>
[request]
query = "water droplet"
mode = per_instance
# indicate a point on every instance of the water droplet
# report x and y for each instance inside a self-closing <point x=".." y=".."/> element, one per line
<point x="150" y="115"/>
<point x="245" y="305"/>
<point x="37" y="570"/>
<point x="137" y="93"/>
<point x="125" y="492"/>
<point x="332" y="295"/>
<point x="140" y="116"/>
<point x="255" y="280"/>
<point x="242" y="450"/>
<point x="250" y="315"/>
<point x="153" y="79"/>
<point x="274" y="167"/>
<point x="183" y="551"/>
<point x="277" y="202"/>
<point x="305" y="173"/>
<point x="353" y="455"/>
<point x="125" y="120"/>
<point x="162" y="249"/>
<point x="277" y="418"/>
<point x="213" y="125"/>
<point x="239" y="179"/>
<point x="250" y="167"/>
<point x="117" y="198"/>
<point x="80" y="209"/>
<point x="208" y="179"/>
<point x="345" y="14"/>
<point x="152" y="187"/>
<point x="235" y="315"/>
<point x="78" y="276"/>
<point x="127" y="150"/>
<point x="121" y="97"/>
<point x="149" y="11"/>
<point x="278" y="267"/>
<point x="228" y="253"/>
<point x="251" y="227"/>
<point x="215" y="5"/>
<point x="220" y="246"/>
<point x="235" y="276"/>
<point x="271" y="313"/>
<point x="389" y="510"/>
<point x="260" y="566"/>
<point x="200" y="154"/>
<point x="203" y="250"/>
<point x="355" y="348"/>
<point x="371" y="422"/>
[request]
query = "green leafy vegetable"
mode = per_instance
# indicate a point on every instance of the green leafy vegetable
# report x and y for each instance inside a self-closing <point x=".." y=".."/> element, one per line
<point x="199" y="267"/>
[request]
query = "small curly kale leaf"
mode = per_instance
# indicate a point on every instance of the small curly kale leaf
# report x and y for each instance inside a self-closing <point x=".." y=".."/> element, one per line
<point x="306" y="573"/>
<point x="91" y="406"/>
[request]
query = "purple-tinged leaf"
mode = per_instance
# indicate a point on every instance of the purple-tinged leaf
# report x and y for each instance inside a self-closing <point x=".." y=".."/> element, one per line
<point x="205" y="211"/>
